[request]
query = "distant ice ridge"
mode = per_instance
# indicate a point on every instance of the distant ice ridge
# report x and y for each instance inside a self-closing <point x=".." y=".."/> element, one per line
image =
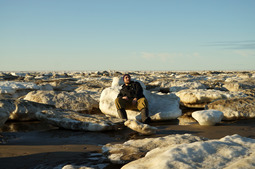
<point x="10" y="87"/>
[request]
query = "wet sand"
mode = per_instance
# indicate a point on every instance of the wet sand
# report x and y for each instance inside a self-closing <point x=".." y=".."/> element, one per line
<point x="38" y="145"/>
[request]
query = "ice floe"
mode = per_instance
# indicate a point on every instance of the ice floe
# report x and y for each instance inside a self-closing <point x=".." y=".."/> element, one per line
<point x="77" y="121"/>
<point x="230" y="151"/>
<point x="144" y="129"/>
<point x="198" y="98"/>
<point x="208" y="117"/>
<point x="65" y="100"/>
<point x="236" y="108"/>
<point x="136" y="149"/>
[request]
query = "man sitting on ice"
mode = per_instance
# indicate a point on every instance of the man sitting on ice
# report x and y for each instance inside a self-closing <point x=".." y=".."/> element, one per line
<point x="131" y="97"/>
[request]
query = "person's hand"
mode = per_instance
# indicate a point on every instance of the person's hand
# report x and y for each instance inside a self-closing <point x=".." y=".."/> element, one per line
<point x="134" y="101"/>
<point x="125" y="98"/>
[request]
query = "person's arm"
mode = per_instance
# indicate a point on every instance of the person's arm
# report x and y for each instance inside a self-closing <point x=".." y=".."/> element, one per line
<point x="139" y="91"/>
<point x="120" y="95"/>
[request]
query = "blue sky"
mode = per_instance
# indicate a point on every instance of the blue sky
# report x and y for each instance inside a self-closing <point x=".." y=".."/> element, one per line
<point x="77" y="35"/>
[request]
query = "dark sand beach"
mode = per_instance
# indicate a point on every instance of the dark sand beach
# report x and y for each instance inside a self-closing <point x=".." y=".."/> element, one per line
<point x="38" y="145"/>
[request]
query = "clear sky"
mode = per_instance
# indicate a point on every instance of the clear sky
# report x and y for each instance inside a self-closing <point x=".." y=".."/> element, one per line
<point x="79" y="35"/>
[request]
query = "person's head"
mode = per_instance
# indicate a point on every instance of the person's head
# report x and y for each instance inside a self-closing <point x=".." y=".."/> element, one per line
<point x="127" y="78"/>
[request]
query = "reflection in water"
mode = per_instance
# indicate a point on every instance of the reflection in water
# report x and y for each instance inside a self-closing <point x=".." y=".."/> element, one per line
<point x="186" y="120"/>
<point x="13" y="126"/>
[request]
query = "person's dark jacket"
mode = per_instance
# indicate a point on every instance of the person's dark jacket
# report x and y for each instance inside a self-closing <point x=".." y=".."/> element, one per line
<point x="132" y="90"/>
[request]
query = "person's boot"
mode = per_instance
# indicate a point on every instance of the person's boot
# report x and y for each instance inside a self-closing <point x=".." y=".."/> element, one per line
<point x="145" y="116"/>
<point x="122" y="114"/>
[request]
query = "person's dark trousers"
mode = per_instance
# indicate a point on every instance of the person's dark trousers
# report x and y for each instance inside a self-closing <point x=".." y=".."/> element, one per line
<point x="142" y="105"/>
<point x="122" y="114"/>
<point x="145" y="116"/>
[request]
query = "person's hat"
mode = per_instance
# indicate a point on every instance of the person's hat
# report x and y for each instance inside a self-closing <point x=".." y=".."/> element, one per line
<point x="126" y="75"/>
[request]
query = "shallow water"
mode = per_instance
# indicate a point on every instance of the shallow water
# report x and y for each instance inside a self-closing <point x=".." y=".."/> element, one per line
<point x="39" y="145"/>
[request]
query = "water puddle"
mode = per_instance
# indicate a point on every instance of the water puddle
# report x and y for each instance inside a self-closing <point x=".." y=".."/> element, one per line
<point x="26" y="126"/>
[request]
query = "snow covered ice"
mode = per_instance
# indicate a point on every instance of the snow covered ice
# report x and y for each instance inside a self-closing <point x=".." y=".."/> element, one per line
<point x="208" y="117"/>
<point x="85" y="101"/>
<point x="230" y="151"/>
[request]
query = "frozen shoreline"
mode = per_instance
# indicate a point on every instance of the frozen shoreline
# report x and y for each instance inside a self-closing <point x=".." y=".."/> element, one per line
<point x="38" y="145"/>
<point x="35" y="144"/>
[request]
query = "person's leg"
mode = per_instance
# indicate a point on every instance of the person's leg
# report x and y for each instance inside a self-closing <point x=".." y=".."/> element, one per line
<point x="142" y="105"/>
<point x="121" y="105"/>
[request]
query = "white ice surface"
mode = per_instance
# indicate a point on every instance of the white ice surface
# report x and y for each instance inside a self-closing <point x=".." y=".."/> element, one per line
<point x="218" y="154"/>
